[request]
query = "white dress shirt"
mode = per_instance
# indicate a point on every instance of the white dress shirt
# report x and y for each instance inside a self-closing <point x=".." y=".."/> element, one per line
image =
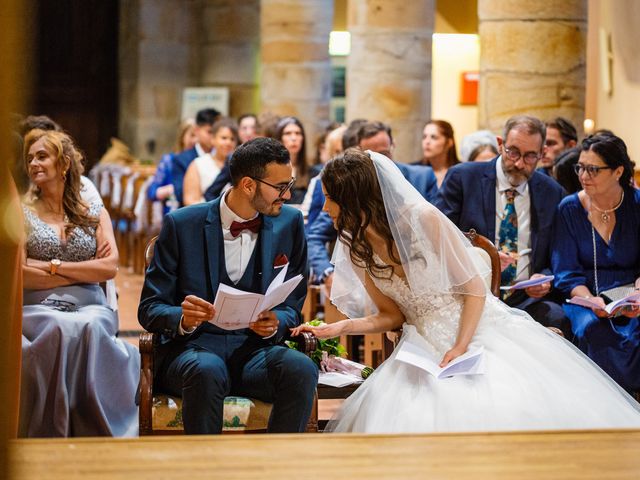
<point x="237" y="250"/>
<point x="522" y="203"/>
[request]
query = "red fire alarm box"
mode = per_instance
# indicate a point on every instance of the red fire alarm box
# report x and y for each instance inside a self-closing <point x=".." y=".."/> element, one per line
<point x="469" y="88"/>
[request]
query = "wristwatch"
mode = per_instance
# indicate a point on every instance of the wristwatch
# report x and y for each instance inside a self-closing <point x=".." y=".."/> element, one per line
<point x="53" y="265"/>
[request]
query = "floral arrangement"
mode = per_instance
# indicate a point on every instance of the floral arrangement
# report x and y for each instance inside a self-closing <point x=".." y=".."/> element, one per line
<point x="328" y="355"/>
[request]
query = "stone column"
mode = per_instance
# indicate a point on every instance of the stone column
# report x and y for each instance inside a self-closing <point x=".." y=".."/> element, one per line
<point x="296" y="72"/>
<point x="156" y="62"/>
<point x="532" y="60"/>
<point x="229" y="48"/>
<point x="389" y="68"/>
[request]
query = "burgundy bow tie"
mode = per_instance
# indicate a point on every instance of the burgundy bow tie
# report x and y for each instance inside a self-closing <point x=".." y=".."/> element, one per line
<point x="253" y="225"/>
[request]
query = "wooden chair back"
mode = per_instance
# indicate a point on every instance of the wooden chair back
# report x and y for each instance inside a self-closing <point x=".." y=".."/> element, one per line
<point x="485" y="244"/>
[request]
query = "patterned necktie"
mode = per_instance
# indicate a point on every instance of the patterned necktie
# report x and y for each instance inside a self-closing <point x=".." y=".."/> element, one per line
<point x="508" y="240"/>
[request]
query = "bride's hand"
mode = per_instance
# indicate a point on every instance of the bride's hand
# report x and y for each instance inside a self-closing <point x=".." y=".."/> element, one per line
<point x="326" y="330"/>
<point x="452" y="354"/>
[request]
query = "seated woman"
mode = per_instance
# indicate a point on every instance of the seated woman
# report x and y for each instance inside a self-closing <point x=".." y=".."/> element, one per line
<point x="77" y="378"/>
<point x="290" y="133"/>
<point x="161" y="187"/>
<point x="438" y="148"/>
<point x="205" y="169"/>
<point x="595" y="247"/>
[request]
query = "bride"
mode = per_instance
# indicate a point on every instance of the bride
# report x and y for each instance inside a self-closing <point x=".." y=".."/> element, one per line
<point x="400" y="262"/>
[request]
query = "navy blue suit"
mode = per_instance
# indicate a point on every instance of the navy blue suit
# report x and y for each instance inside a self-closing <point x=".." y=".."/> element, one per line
<point x="205" y="366"/>
<point x="321" y="231"/>
<point x="468" y="197"/>
<point x="179" y="168"/>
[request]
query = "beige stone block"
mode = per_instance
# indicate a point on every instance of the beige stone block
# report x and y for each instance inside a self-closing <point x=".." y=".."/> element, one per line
<point x="243" y="99"/>
<point x="295" y="18"/>
<point x="231" y="20"/>
<point x="163" y="61"/>
<point x="505" y="95"/>
<point x="294" y="52"/>
<point x="406" y="54"/>
<point x="391" y="14"/>
<point x="168" y="20"/>
<point x="387" y="98"/>
<point x="308" y="81"/>
<point x="532" y="10"/>
<point x="229" y="63"/>
<point x="535" y="47"/>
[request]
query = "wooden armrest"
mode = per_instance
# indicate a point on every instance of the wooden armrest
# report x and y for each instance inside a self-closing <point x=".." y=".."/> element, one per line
<point x="145" y="392"/>
<point x="307" y="342"/>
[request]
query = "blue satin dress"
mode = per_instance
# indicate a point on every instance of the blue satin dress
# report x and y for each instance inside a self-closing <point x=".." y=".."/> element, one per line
<point x="614" y="344"/>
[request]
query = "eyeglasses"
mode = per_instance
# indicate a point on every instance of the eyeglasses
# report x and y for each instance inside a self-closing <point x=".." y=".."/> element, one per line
<point x="514" y="155"/>
<point x="592" y="170"/>
<point x="282" y="189"/>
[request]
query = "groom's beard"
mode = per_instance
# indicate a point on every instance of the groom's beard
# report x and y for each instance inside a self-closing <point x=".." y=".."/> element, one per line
<point x="260" y="204"/>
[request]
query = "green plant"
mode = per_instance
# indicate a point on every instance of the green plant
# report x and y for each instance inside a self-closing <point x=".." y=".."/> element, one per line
<point x="330" y="345"/>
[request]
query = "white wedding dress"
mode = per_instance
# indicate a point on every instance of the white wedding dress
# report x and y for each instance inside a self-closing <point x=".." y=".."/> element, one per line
<point x="534" y="378"/>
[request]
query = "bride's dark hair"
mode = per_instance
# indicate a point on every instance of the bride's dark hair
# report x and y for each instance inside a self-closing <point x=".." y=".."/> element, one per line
<point x="351" y="181"/>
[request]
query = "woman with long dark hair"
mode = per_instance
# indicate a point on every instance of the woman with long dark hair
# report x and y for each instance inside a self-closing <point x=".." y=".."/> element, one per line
<point x="438" y="148"/>
<point x="401" y="262"/>
<point x="290" y="133"/>
<point x="596" y="248"/>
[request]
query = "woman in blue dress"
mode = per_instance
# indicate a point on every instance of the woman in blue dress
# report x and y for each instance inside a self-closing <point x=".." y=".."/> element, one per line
<point x="596" y="247"/>
<point x="78" y="379"/>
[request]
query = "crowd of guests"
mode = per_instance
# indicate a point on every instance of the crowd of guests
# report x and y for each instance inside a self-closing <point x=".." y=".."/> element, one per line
<point x="553" y="205"/>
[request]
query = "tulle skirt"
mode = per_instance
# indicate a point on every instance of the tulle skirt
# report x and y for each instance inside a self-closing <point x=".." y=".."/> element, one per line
<point x="534" y="380"/>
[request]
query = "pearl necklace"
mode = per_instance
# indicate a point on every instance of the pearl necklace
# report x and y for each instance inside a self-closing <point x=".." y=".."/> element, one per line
<point x="605" y="215"/>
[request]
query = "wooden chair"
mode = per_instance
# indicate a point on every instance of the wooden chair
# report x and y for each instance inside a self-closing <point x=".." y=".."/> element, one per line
<point x="161" y="414"/>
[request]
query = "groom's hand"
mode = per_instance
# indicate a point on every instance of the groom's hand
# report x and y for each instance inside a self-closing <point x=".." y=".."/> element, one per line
<point x="195" y="310"/>
<point x="266" y="324"/>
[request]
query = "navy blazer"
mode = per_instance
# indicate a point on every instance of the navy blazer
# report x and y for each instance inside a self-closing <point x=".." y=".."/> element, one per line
<point x="179" y="168"/>
<point x="185" y="262"/>
<point x="468" y="197"/>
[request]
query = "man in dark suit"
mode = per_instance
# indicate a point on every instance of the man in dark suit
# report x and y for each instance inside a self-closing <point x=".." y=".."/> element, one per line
<point x="473" y="195"/>
<point x="374" y="136"/>
<point x="205" y="119"/>
<point x="240" y="239"/>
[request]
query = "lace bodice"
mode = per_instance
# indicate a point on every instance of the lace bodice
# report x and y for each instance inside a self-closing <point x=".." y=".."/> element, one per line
<point x="43" y="243"/>
<point x="436" y="317"/>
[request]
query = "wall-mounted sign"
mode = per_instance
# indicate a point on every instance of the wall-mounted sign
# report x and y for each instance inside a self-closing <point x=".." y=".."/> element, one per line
<point x="469" y="88"/>
<point x="197" y="98"/>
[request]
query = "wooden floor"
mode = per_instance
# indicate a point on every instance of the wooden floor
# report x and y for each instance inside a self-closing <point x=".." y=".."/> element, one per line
<point x="539" y="455"/>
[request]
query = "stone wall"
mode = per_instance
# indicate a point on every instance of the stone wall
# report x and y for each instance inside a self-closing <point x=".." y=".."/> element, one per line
<point x="532" y="60"/>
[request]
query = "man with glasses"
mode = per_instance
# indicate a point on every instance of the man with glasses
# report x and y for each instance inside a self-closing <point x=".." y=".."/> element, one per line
<point x="512" y="204"/>
<point x="241" y="239"/>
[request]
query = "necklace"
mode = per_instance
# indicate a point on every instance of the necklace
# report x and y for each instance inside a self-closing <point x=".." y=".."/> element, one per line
<point x="605" y="215"/>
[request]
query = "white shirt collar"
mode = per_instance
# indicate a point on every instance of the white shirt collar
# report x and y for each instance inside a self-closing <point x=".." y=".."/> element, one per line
<point x="503" y="182"/>
<point x="227" y="216"/>
<point x="199" y="150"/>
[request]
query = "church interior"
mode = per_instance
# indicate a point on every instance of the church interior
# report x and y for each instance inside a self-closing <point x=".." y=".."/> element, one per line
<point x="121" y="77"/>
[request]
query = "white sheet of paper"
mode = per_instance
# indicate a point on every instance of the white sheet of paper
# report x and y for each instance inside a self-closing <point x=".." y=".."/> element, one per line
<point x="337" y="379"/>
<point x="237" y="309"/>
<point x="529" y="283"/>
<point x="633" y="299"/>
<point x="470" y="363"/>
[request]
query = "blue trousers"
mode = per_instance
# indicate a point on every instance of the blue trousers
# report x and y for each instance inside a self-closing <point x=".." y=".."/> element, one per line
<point x="613" y="344"/>
<point x="272" y="373"/>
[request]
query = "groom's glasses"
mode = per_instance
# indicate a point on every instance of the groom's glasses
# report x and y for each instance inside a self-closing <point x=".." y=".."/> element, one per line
<point x="282" y="188"/>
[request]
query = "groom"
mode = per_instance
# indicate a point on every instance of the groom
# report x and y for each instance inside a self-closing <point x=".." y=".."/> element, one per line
<point x="240" y="239"/>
